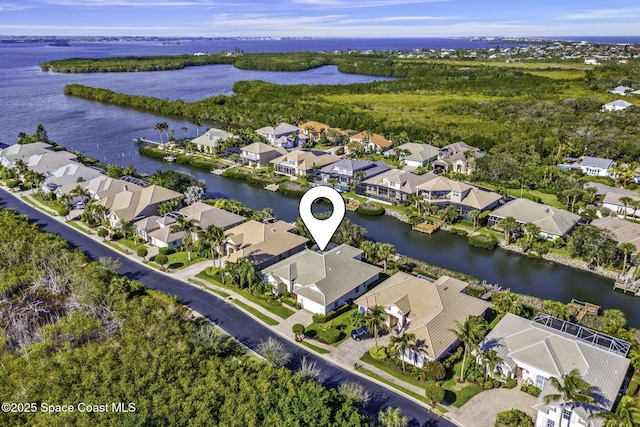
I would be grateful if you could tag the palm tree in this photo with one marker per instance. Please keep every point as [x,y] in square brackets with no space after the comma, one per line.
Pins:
[626,201]
[508,225]
[490,359]
[627,414]
[614,321]
[415,199]
[404,343]
[572,390]
[392,417]
[80,192]
[375,319]
[626,248]
[197,123]
[20,166]
[475,217]
[214,236]
[531,230]
[384,251]
[189,227]
[470,333]
[449,214]
[159,127]
[247,274]
[184,129]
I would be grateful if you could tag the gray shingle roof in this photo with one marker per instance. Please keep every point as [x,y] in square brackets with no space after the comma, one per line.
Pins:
[596,162]
[550,220]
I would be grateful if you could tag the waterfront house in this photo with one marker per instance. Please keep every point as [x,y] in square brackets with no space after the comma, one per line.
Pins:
[313,130]
[272,133]
[68,175]
[103,186]
[553,222]
[209,141]
[457,157]
[425,308]
[415,155]
[595,166]
[536,350]
[264,244]
[621,90]
[617,105]
[369,142]
[351,172]
[302,162]
[322,281]
[134,204]
[393,186]
[612,201]
[9,155]
[259,154]
[621,230]
[205,215]
[442,191]
[51,160]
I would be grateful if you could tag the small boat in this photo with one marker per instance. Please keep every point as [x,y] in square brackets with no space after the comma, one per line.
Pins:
[169,159]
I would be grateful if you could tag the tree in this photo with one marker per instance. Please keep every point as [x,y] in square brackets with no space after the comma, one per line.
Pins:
[274,352]
[384,251]
[375,319]
[626,414]
[507,302]
[184,129]
[159,127]
[490,359]
[354,392]
[298,330]
[197,123]
[531,231]
[475,214]
[449,214]
[614,321]
[434,393]
[626,201]
[470,333]
[103,232]
[189,227]
[168,206]
[215,237]
[194,194]
[404,343]
[142,252]
[392,417]
[592,244]
[509,225]
[626,248]
[572,390]
[161,259]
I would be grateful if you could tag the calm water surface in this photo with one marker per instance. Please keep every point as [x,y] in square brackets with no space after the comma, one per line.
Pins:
[28,97]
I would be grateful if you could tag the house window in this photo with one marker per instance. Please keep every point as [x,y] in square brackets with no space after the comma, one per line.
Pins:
[541,381]
[551,423]
[567,413]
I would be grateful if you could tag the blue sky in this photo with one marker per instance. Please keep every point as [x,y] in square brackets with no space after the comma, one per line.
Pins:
[321,18]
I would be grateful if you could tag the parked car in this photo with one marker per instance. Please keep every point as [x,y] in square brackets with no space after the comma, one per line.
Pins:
[360,333]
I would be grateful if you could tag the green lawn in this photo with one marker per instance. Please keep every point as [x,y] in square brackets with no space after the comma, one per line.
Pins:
[179,260]
[278,310]
[315,348]
[51,204]
[118,248]
[79,227]
[340,322]
[266,319]
[456,393]
[130,244]
[391,384]
[547,199]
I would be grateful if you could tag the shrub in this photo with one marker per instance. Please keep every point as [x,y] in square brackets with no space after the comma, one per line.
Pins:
[323,318]
[378,352]
[496,383]
[370,209]
[142,252]
[488,385]
[354,392]
[298,330]
[531,389]
[434,393]
[459,231]
[511,383]
[330,335]
[165,251]
[103,232]
[161,259]
[319,318]
[633,388]
[513,418]
[484,242]
[434,371]
[13,183]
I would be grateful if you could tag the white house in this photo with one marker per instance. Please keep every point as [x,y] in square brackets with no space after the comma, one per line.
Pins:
[536,350]
[208,141]
[595,166]
[617,105]
[272,133]
[612,201]
[322,281]
[621,90]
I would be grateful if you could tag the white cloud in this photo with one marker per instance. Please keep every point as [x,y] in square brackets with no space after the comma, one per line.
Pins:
[348,4]
[604,14]
[10,7]
[130,3]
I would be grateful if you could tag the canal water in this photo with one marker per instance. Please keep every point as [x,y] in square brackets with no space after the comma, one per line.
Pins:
[30,96]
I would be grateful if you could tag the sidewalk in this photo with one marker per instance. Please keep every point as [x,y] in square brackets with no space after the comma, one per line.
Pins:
[346,355]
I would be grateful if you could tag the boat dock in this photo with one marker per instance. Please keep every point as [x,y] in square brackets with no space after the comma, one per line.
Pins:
[147,141]
[271,187]
[625,283]
[352,205]
[583,308]
[426,227]
[220,171]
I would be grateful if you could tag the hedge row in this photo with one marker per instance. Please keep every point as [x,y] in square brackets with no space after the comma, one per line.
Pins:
[370,209]
[484,242]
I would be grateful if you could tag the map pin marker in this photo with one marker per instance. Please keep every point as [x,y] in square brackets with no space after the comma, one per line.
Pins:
[322,229]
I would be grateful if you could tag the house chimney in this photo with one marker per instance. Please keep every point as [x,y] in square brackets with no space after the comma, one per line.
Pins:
[293,271]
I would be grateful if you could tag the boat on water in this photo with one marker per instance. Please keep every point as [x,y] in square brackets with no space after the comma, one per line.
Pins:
[60,43]
[169,159]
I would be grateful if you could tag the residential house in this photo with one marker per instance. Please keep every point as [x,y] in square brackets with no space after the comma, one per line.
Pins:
[9,155]
[425,308]
[418,154]
[536,350]
[322,281]
[51,160]
[68,175]
[300,163]
[595,166]
[134,204]
[369,142]
[102,186]
[393,186]
[272,133]
[205,215]
[313,130]
[264,244]
[351,172]
[621,90]
[612,201]
[209,141]
[458,157]
[553,222]
[617,105]
[621,230]
[443,191]
[157,231]
[259,154]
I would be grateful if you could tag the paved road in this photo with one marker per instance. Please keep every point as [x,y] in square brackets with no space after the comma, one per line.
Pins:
[235,322]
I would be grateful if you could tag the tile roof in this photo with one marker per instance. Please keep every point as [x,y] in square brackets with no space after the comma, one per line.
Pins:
[51,160]
[211,137]
[279,129]
[408,181]
[207,215]
[550,220]
[305,160]
[24,151]
[258,148]
[622,230]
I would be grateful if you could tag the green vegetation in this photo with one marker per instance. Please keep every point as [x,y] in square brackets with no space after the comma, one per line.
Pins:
[110,338]
[315,348]
[256,313]
[513,418]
